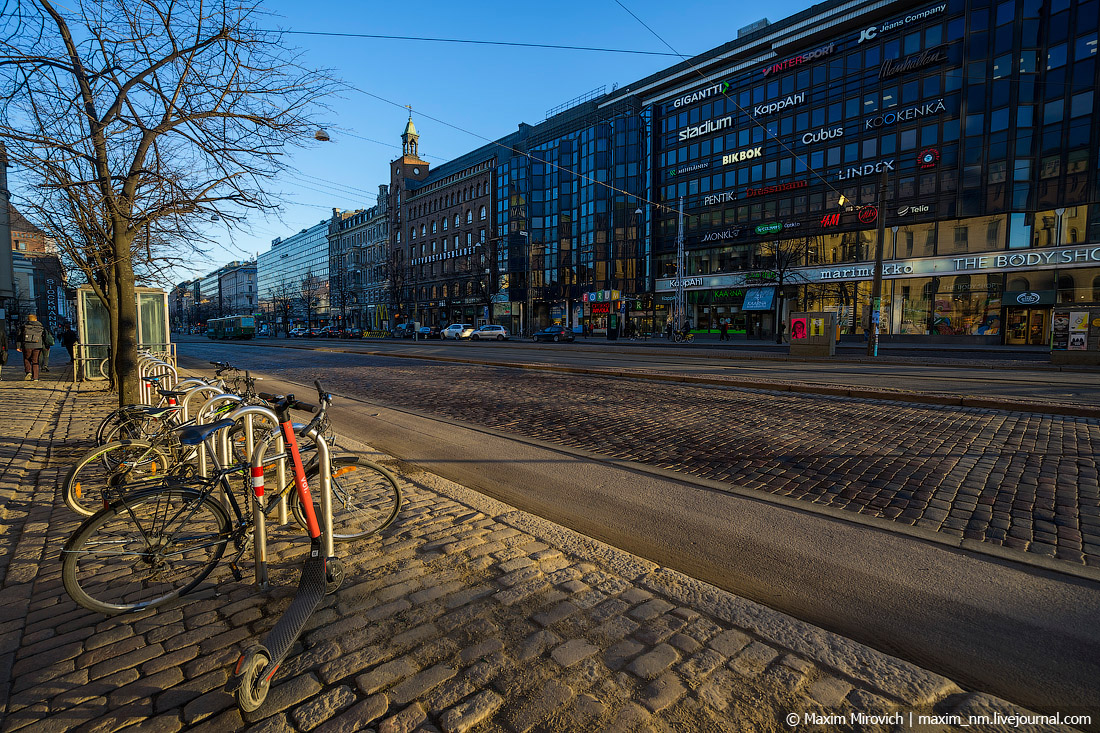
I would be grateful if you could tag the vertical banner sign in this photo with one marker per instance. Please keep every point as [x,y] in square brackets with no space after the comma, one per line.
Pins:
[1059,331]
[817,326]
[798,329]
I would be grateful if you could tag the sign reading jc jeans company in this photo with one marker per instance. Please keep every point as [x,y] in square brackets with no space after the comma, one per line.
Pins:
[869,34]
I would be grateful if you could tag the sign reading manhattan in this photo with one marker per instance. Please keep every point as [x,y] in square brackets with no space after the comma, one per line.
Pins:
[924,59]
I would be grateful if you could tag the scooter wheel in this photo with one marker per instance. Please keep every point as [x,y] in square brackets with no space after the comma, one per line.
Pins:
[254,685]
[334,575]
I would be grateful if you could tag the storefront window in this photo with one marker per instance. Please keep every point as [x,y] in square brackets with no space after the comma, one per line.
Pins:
[980,234]
[913,240]
[1079,286]
[1048,231]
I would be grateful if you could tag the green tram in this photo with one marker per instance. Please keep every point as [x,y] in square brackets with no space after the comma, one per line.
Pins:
[231,327]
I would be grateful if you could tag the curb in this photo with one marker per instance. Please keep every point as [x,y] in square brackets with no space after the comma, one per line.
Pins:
[995,552]
[948,400]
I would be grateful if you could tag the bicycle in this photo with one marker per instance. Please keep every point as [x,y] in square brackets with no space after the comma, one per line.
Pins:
[682,337]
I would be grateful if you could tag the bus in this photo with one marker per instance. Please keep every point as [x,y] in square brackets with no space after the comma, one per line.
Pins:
[231,327]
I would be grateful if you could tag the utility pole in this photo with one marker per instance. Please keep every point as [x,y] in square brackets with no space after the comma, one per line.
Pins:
[876,284]
[679,307]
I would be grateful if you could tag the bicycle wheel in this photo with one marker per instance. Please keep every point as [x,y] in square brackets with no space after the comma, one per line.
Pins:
[144,551]
[111,465]
[365,498]
[121,416]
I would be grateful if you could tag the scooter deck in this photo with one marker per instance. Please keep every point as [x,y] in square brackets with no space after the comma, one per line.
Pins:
[311,590]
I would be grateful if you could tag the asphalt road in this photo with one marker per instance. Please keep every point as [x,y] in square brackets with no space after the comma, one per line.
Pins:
[1025,634]
[968,373]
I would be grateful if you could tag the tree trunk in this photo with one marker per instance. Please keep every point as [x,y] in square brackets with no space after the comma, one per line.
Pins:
[111,286]
[126,364]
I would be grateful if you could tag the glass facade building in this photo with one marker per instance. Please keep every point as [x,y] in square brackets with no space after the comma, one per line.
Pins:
[965,129]
[977,119]
[296,268]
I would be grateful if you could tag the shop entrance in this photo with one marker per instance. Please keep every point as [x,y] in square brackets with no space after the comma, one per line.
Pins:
[1026,326]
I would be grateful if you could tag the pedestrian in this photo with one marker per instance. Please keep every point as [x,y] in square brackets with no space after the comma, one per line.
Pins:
[30,343]
[68,340]
[724,331]
[47,344]
[779,337]
[865,322]
[668,329]
[3,346]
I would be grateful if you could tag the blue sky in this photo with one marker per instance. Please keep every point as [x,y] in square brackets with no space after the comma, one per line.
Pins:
[485,90]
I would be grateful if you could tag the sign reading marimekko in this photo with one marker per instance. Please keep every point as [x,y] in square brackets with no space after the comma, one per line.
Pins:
[1035,259]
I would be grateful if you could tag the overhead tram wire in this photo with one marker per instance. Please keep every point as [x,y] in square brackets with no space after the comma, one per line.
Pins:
[477,42]
[744,111]
[589,179]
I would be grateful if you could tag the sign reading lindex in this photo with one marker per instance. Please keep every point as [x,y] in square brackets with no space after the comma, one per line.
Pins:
[1004,261]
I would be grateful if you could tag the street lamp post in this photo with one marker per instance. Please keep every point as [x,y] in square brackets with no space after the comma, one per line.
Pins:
[876,283]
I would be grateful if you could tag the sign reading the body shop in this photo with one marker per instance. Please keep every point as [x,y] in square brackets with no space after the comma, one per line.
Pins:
[868,34]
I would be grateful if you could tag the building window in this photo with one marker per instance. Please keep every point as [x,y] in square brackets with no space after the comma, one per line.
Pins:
[458,221]
[469,216]
[482,214]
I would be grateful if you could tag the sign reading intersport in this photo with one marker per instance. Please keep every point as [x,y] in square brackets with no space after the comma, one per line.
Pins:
[706,128]
[799,59]
[912,113]
[719,88]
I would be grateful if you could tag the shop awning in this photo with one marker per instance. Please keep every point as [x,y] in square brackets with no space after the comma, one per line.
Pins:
[759,299]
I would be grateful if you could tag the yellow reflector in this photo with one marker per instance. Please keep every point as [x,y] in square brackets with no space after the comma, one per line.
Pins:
[77,491]
[153,472]
[342,471]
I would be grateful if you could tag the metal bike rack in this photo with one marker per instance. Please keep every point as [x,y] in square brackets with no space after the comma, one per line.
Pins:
[252,675]
[185,415]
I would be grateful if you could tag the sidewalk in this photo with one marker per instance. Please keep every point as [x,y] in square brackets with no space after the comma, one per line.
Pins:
[466,614]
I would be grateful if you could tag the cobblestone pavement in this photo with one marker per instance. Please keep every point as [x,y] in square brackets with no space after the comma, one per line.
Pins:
[1020,480]
[465,615]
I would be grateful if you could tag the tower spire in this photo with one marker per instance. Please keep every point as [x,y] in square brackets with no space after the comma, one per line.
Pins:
[410,138]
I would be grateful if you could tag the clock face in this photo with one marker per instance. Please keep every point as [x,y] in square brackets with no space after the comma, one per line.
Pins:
[416,171]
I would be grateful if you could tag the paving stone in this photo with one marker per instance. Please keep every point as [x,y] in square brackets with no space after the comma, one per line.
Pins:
[829,691]
[662,692]
[753,659]
[322,707]
[652,663]
[572,652]
[358,715]
[421,683]
[729,643]
[405,721]
[385,675]
[471,712]
[525,715]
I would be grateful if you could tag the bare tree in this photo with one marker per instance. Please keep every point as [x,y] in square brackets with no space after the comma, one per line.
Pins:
[136,123]
[282,297]
[483,270]
[309,294]
[782,257]
[395,273]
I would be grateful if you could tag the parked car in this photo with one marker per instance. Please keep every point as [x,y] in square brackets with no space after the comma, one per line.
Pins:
[403,331]
[329,332]
[554,333]
[458,331]
[299,332]
[490,332]
[429,332]
[351,333]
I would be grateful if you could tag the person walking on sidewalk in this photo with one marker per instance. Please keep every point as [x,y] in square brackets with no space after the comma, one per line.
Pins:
[3,347]
[47,344]
[724,330]
[68,340]
[30,343]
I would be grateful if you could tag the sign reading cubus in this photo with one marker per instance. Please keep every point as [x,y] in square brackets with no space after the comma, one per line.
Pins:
[801,58]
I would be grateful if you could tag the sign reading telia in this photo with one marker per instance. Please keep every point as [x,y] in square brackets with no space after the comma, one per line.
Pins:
[801,58]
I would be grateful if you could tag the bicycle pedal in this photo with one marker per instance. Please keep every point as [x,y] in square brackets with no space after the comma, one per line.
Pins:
[237,574]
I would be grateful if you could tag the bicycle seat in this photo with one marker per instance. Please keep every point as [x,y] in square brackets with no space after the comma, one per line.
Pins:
[195,434]
[159,412]
[151,380]
[171,393]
